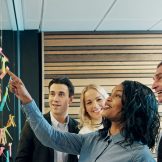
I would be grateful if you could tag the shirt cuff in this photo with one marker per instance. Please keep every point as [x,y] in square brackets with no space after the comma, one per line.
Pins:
[30,108]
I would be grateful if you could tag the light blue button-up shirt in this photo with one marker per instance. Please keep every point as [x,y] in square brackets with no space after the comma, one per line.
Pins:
[90,147]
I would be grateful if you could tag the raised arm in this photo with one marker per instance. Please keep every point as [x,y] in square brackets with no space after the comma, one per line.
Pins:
[18,88]
[47,135]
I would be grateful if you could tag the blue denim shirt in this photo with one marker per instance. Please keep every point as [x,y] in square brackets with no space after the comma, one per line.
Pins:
[90,147]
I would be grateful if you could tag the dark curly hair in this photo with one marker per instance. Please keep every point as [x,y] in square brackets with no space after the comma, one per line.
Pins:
[139,115]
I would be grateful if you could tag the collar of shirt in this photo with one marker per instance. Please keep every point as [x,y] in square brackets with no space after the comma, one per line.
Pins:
[57,124]
[115,138]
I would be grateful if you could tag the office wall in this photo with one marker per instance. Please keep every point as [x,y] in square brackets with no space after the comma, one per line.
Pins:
[102,58]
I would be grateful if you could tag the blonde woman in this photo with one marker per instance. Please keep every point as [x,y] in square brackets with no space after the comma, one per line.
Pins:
[92,100]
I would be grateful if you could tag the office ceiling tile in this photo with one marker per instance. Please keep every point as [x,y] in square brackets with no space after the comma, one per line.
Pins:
[133,15]
[81,15]
[32,13]
[73,15]
[5,22]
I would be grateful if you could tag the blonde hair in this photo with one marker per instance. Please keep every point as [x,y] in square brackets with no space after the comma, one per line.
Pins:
[84,116]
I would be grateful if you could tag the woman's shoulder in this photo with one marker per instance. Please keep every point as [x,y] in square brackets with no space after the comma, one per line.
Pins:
[143,153]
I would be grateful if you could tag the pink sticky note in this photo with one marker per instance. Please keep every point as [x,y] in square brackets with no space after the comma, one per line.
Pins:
[1,150]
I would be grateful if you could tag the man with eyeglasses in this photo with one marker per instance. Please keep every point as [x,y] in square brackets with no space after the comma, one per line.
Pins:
[157,86]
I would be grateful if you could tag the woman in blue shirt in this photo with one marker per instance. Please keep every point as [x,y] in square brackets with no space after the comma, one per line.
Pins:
[130,119]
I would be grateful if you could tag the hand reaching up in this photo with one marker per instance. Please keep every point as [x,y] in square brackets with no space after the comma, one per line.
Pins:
[17,87]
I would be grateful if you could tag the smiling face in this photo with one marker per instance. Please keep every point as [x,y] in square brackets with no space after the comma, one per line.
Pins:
[157,84]
[59,99]
[113,105]
[94,102]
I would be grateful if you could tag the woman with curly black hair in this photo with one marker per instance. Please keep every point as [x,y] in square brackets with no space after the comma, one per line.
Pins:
[131,125]
[132,111]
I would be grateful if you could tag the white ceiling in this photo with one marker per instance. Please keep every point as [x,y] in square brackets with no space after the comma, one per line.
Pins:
[81,15]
